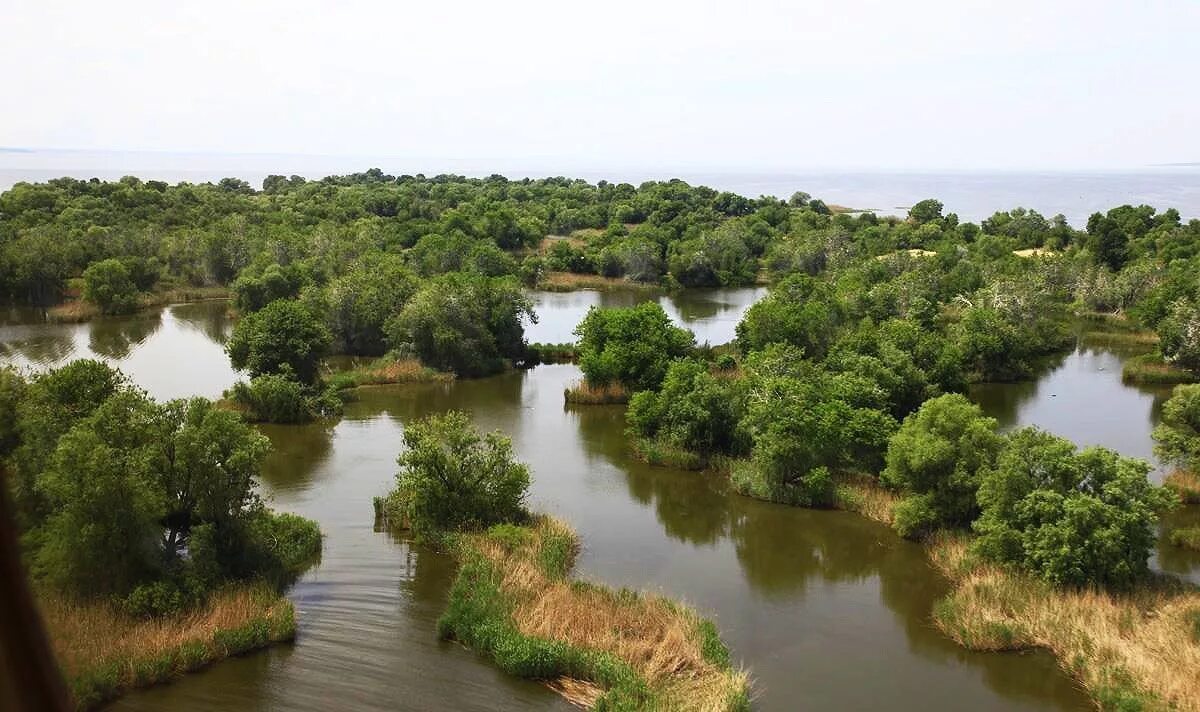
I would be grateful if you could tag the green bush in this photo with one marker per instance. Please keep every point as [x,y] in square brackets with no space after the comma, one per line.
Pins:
[936,457]
[1072,518]
[1177,437]
[107,284]
[285,337]
[275,398]
[631,346]
[452,478]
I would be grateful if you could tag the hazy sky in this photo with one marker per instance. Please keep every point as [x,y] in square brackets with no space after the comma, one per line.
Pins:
[748,84]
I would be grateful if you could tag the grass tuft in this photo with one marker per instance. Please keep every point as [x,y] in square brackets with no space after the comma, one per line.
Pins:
[583,393]
[1185,484]
[1188,537]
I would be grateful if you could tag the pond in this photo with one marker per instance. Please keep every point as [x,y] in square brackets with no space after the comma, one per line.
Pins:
[826,609]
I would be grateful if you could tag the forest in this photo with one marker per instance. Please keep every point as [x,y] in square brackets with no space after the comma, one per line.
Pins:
[845,388]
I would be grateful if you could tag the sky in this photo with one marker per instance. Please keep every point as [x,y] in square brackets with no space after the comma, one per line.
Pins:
[752,84]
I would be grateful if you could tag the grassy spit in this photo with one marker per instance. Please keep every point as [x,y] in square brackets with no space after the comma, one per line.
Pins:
[1134,651]
[1188,537]
[571,281]
[77,311]
[387,371]
[103,651]
[1151,369]
[583,393]
[602,649]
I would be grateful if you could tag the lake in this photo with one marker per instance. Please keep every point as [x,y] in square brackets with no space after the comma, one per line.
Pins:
[826,609]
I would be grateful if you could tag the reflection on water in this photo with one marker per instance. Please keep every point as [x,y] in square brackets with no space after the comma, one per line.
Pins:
[710,314]
[172,353]
[828,610]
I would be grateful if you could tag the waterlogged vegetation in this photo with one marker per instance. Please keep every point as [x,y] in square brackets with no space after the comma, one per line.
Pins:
[844,387]
[513,600]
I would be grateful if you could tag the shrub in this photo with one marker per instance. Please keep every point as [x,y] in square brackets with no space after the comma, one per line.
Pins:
[936,457]
[284,337]
[1177,438]
[451,478]
[274,398]
[631,346]
[107,284]
[1072,518]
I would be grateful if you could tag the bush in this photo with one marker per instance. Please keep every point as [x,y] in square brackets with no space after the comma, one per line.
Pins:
[284,337]
[694,410]
[107,284]
[632,346]
[1072,518]
[451,478]
[936,457]
[1177,437]
[274,398]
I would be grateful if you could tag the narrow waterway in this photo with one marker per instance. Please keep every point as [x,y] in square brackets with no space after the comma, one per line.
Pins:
[826,609]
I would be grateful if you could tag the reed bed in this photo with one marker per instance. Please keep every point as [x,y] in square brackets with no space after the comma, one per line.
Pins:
[1131,651]
[584,393]
[598,647]
[1150,369]
[1185,484]
[103,651]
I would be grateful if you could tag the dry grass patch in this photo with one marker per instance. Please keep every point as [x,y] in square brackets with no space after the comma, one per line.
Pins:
[1131,651]
[514,600]
[570,281]
[76,311]
[1151,369]
[1185,484]
[584,393]
[863,494]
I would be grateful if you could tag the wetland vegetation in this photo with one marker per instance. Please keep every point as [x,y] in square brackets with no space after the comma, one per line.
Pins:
[845,386]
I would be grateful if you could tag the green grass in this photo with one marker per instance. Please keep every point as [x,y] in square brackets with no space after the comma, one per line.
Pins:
[1187,537]
[1150,369]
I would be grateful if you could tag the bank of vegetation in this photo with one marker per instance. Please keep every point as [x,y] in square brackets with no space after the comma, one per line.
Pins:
[514,599]
[141,529]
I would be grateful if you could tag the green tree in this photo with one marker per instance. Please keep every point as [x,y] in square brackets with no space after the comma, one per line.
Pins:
[925,211]
[935,459]
[1177,437]
[632,346]
[800,310]
[452,478]
[284,337]
[695,409]
[107,284]
[360,302]
[1072,518]
[462,322]
[1179,335]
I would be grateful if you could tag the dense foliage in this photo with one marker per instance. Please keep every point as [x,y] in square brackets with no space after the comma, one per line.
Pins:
[632,347]
[150,503]
[1177,437]
[284,337]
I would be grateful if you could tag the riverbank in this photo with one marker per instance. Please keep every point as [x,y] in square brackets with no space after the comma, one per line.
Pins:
[572,281]
[1150,369]
[514,601]
[104,652]
[1132,651]
[78,311]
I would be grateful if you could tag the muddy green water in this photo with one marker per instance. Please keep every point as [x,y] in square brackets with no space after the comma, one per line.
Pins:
[827,610]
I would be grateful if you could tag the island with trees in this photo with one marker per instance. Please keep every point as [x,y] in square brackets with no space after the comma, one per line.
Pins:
[845,387]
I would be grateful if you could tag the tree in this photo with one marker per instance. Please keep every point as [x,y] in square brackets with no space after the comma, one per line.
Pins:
[451,478]
[284,337]
[1107,241]
[935,460]
[1071,518]
[361,301]
[464,323]
[107,284]
[1179,335]
[800,310]
[1177,437]
[805,425]
[256,287]
[925,211]
[632,346]
[695,410]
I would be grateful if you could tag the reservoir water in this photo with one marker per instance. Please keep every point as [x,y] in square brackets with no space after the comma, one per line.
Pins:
[826,609]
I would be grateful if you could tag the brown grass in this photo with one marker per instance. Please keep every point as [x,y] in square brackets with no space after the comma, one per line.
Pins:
[97,641]
[864,495]
[583,393]
[570,281]
[73,312]
[401,371]
[1185,484]
[659,639]
[1127,650]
